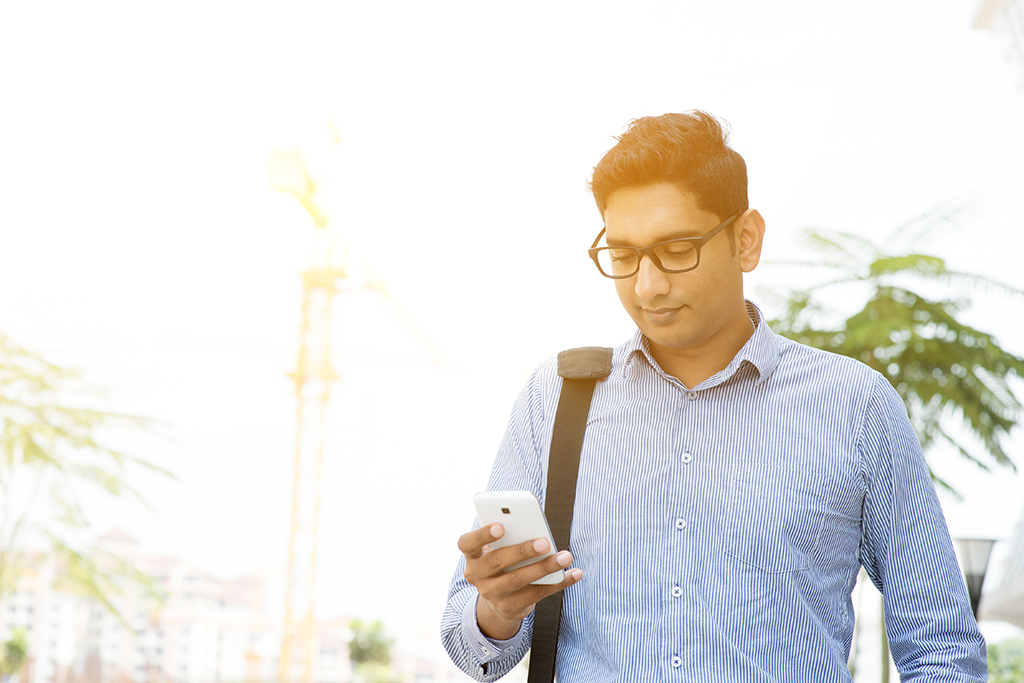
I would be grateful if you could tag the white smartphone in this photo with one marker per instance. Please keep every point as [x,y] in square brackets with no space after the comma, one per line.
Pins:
[519,512]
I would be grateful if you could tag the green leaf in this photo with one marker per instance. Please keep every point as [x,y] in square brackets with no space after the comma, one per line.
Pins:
[918,264]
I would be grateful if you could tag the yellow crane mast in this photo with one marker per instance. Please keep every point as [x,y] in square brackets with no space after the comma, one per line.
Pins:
[313,377]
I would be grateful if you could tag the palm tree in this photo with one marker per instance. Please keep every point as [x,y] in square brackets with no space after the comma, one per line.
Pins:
[943,368]
[52,445]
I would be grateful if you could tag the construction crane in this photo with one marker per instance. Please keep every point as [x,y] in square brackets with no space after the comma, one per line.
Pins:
[313,376]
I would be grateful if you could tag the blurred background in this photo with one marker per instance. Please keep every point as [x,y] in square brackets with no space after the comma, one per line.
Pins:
[143,244]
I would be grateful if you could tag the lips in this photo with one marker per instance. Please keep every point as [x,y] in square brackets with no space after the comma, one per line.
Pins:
[661,315]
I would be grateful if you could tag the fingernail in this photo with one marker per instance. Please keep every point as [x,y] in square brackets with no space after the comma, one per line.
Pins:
[564,558]
[540,545]
[576,574]
[496,530]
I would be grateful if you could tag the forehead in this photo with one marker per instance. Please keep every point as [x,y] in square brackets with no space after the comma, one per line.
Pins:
[653,213]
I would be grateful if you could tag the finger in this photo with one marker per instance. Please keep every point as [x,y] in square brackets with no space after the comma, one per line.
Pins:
[472,543]
[572,576]
[496,561]
[524,577]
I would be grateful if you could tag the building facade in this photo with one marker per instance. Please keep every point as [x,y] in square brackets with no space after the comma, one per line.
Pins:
[206,630]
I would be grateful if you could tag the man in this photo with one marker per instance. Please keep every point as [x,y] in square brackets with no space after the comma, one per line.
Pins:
[731,483]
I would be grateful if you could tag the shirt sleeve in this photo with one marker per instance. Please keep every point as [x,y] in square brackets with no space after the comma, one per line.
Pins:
[907,552]
[480,657]
[520,465]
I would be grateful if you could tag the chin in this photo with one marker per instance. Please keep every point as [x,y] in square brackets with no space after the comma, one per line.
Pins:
[666,339]
[673,343]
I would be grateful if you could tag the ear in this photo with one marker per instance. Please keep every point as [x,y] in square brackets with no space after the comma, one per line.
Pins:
[749,236]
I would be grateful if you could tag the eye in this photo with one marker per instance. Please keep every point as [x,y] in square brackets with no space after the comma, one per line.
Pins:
[677,248]
[622,255]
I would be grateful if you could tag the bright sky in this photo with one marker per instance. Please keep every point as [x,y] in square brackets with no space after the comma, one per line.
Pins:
[143,243]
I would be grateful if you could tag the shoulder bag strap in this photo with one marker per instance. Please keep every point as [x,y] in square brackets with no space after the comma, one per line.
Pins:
[580,370]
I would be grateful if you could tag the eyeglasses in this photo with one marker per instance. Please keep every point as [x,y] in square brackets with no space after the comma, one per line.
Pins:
[671,256]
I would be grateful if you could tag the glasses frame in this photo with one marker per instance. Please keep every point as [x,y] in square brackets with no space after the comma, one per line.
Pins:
[648,251]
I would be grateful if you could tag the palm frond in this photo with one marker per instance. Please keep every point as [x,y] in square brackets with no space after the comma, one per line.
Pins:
[946,486]
[839,250]
[976,281]
[51,427]
[924,228]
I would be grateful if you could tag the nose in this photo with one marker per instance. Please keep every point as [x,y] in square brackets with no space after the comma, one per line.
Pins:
[651,281]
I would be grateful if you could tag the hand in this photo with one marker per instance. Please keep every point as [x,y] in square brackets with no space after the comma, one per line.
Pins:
[506,599]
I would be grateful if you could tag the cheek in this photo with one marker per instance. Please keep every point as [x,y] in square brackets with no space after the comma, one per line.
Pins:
[624,288]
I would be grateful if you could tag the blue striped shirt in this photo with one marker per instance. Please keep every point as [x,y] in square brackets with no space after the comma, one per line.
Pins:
[720,529]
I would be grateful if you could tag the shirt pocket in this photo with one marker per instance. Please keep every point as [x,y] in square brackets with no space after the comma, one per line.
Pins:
[775,516]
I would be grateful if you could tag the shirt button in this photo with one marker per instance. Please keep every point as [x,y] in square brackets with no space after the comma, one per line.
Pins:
[677,662]
[680,523]
[676,591]
[687,458]
[692,395]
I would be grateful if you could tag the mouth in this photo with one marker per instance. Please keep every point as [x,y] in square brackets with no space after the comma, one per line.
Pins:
[661,315]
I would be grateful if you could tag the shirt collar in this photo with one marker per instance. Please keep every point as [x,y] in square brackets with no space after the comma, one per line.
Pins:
[761,351]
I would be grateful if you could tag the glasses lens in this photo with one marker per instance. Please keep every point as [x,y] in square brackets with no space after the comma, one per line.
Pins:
[677,255]
[617,262]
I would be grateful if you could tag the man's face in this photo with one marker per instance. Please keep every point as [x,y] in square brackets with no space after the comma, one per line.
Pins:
[683,313]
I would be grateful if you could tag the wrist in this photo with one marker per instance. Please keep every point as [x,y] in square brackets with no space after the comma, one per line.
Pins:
[492,624]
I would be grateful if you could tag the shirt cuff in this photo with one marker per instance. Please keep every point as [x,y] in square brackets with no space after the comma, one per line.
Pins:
[483,648]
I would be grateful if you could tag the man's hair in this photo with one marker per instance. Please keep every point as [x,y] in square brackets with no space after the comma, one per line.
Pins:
[689,150]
